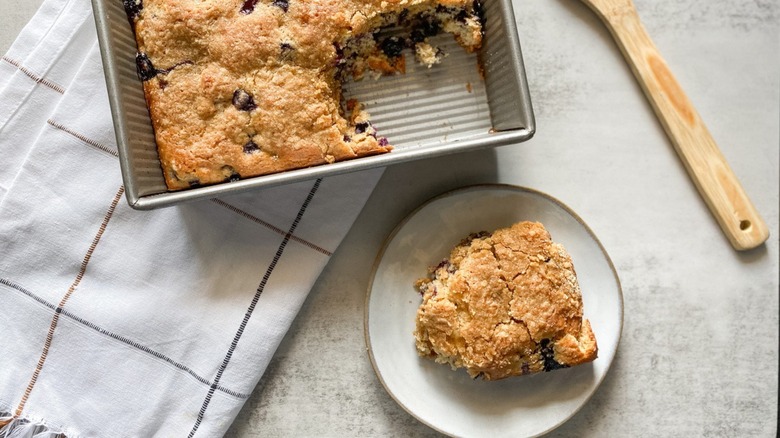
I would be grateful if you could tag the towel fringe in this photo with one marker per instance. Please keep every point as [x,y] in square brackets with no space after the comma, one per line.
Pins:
[11,427]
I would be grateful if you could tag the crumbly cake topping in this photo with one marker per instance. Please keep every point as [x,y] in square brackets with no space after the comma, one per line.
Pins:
[504,304]
[239,88]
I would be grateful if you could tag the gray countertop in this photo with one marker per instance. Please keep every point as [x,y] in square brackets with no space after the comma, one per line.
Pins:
[699,351]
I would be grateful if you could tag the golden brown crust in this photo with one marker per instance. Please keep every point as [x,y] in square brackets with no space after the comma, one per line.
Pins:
[240,88]
[503,305]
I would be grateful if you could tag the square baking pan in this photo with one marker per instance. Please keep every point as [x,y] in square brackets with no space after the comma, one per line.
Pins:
[467,102]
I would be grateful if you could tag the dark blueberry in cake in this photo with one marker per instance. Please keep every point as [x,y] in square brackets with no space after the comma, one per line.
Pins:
[426,27]
[444,264]
[133,8]
[482,234]
[417,36]
[251,147]
[361,127]
[284,4]
[248,6]
[479,11]
[243,101]
[392,46]
[383,141]
[461,16]
[287,51]
[231,173]
[145,67]
[430,26]
[147,70]
[548,356]
[347,139]
[339,60]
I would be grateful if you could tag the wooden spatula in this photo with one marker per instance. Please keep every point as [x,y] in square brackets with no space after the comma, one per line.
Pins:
[706,165]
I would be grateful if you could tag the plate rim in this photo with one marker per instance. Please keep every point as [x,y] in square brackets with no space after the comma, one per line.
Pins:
[453,192]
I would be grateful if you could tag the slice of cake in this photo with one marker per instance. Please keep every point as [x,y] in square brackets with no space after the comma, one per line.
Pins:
[504,304]
[239,88]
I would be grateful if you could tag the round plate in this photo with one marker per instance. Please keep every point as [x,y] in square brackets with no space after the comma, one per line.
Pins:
[449,401]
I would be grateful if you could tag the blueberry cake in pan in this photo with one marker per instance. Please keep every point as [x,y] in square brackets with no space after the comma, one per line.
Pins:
[240,88]
[504,304]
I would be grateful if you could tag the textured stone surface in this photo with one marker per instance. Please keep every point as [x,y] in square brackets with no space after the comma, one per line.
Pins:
[699,353]
[15,13]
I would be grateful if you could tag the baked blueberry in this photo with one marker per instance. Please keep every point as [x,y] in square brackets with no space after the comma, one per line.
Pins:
[392,46]
[417,36]
[287,51]
[248,6]
[144,66]
[133,8]
[339,59]
[548,356]
[147,70]
[479,11]
[243,101]
[429,26]
[361,127]
[444,264]
[284,4]
[251,147]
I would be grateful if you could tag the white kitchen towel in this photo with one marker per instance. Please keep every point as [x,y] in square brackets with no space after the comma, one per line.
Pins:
[116,322]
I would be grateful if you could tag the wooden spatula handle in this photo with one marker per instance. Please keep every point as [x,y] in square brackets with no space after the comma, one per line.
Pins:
[706,165]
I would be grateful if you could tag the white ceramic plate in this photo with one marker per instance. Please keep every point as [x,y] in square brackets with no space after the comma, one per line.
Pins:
[449,401]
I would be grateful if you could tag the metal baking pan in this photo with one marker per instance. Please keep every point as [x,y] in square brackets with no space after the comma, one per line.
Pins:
[424,113]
